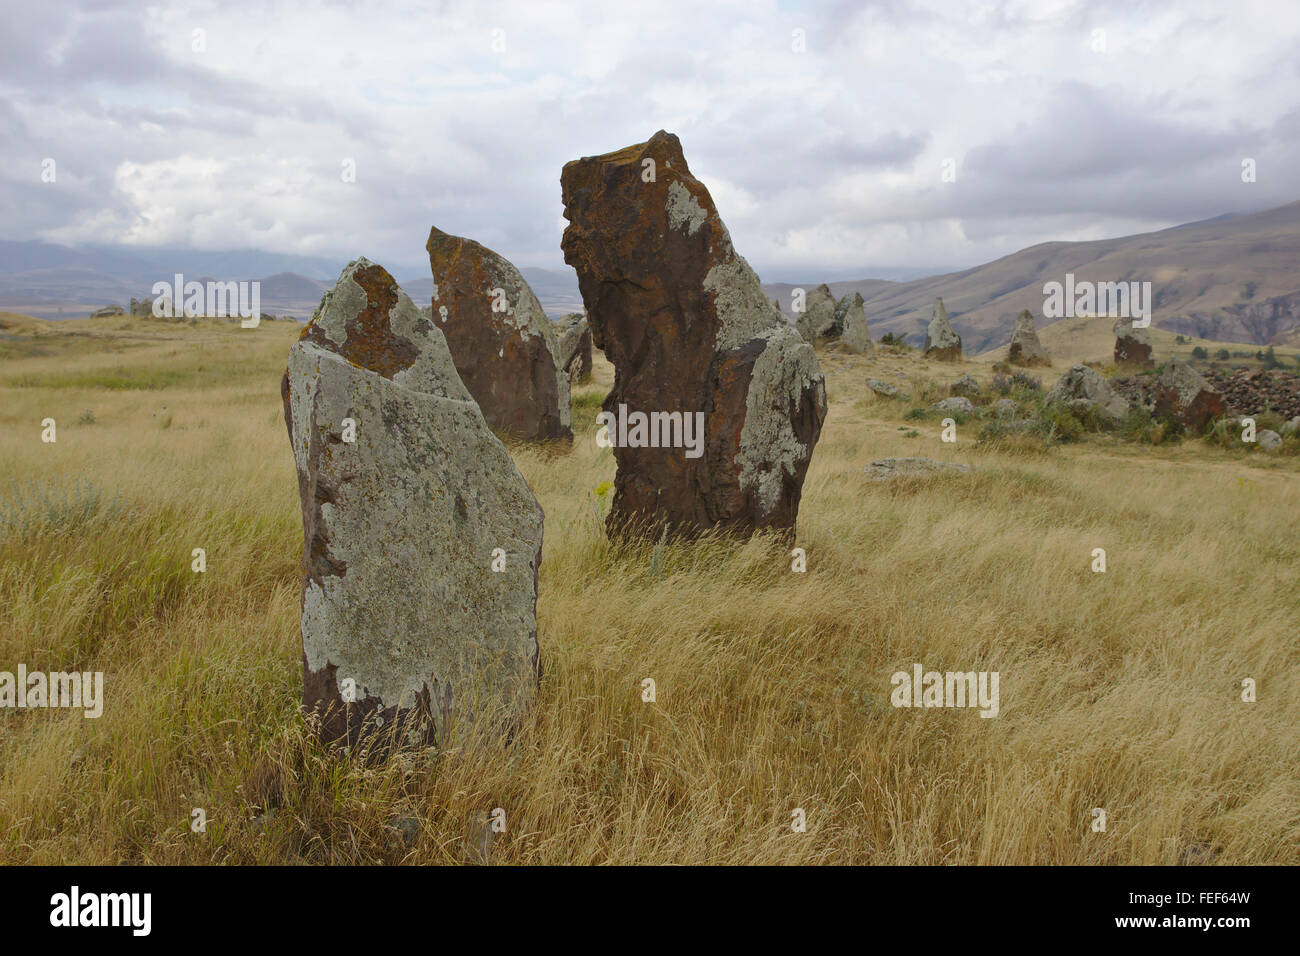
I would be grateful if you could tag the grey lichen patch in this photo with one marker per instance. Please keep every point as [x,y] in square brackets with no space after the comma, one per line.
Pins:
[683,209]
[769,449]
[743,310]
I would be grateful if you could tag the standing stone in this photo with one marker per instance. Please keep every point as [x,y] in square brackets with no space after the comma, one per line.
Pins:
[818,317]
[574,337]
[1182,393]
[853,327]
[500,338]
[1132,346]
[407,627]
[682,317]
[1025,348]
[942,344]
[1082,389]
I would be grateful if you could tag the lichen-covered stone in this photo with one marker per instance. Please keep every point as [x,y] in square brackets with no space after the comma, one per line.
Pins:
[853,327]
[1025,348]
[1184,394]
[406,494]
[1132,346]
[942,343]
[1082,389]
[683,319]
[500,338]
[573,335]
[818,317]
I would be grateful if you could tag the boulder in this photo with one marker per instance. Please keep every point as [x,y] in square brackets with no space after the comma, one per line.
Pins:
[574,337]
[500,338]
[1182,393]
[1082,388]
[966,386]
[1006,407]
[1291,427]
[854,334]
[1132,346]
[942,344]
[421,539]
[1025,348]
[1268,440]
[959,404]
[818,317]
[882,388]
[683,319]
[107,311]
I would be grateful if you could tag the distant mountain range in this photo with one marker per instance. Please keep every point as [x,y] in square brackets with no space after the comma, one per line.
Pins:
[1235,278]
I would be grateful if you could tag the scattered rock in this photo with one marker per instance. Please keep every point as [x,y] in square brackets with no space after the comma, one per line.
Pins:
[967,386]
[1183,393]
[574,337]
[1025,347]
[406,627]
[1082,388]
[959,404]
[882,388]
[1268,439]
[818,318]
[1251,393]
[1006,407]
[883,469]
[1292,427]
[1132,346]
[500,338]
[107,311]
[683,319]
[853,326]
[942,344]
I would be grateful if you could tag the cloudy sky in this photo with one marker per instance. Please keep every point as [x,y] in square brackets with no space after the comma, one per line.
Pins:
[821,129]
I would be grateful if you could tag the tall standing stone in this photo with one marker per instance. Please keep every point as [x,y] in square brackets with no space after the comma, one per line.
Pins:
[1025,348]
[818,317]
[573,335]
[1133,346]
[682,317]
[942,343]
[500,338]
[854,334]
[422,540]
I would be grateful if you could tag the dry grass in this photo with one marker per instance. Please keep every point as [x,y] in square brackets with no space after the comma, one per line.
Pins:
[1118,690]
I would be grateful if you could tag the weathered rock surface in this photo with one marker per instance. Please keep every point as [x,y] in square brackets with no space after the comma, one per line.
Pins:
[1006,407]
[1025,348]
[1082,388]
[966,386]
[818,318]
[958,404]
[142,308]
[883,469]
[882,388]
[500,338]
[1185,395]
[574,338]
[1132,346]
[406,627]
[942,343]
[1269,439]
[682,317]
[107,311]
[853,327]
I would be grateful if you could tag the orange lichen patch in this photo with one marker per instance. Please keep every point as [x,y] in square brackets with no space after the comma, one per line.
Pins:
[370,341]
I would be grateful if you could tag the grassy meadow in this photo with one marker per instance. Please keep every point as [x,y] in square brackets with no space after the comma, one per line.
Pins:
[1119,690]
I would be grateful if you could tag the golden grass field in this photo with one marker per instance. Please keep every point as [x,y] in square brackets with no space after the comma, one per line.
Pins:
[1119,690]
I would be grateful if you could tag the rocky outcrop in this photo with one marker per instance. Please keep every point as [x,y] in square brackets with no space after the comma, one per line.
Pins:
[1082,389]
[574,337]
[958,404]
[852,324]
[1025,349]
[1132,346]
[421,539]
[500,338]
[942,344]
[818,317]
[690,333]
[1182,393]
